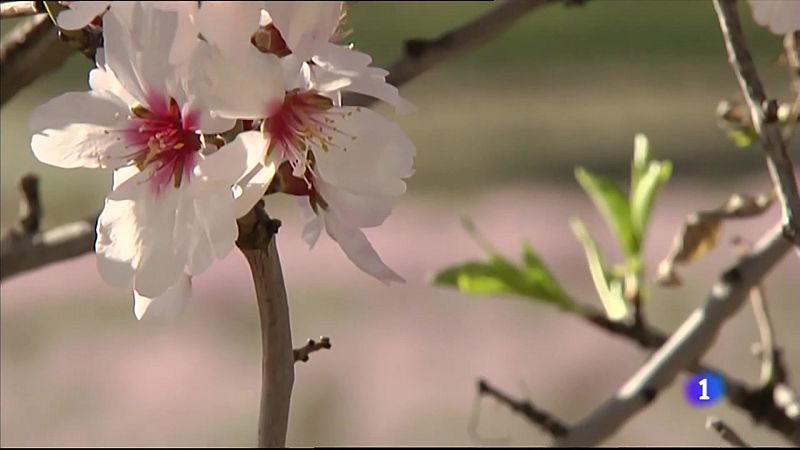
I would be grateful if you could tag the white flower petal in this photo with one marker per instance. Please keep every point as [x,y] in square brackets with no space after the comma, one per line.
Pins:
[135,39]
[305,25]
[103,80]
[781,16]
[250,189]
[240,86]
[79,145]
[169,304]
[96,108]
[338,63]
[379,155]
[80,14]
[229,25]
[356,246]
[313,226]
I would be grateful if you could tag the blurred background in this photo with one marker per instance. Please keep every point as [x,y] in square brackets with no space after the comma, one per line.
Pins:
[498,132]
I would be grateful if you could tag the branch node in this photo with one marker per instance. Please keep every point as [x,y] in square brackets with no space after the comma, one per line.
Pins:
[311,346]
[30,204]
[546,421]
[725,432]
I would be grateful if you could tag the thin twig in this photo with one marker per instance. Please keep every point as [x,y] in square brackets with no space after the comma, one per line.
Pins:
[424,54]
[301,354]
[538,417]
[764,114]
[684,347]
[257,243]
[725,432]
[11,10]
[28,52]
[30,205]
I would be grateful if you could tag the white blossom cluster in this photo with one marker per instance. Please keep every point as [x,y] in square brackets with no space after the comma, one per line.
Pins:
[200,109]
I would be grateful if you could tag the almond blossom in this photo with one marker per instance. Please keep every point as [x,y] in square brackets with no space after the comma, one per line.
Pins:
[347,163]
[171,211]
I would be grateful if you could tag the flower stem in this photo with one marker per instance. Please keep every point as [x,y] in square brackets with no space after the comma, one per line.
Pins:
[257,243]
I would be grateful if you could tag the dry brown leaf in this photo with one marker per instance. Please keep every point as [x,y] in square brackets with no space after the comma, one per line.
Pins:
[700,232]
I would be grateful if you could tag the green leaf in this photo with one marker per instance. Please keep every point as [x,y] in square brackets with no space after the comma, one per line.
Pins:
[743,137]
[608,288]
[499,276]
[541,276]
[641,159]
[613,205]
[644,194]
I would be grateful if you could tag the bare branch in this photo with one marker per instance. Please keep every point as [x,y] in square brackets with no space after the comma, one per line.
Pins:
[257,243]
[725,432]
[684,347]
[29,51]
[538,417]
[20,9]
[301,354]
[424,54]
[764,114]
[24,247]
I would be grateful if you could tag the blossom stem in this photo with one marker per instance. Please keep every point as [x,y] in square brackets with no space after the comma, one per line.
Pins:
[257,243]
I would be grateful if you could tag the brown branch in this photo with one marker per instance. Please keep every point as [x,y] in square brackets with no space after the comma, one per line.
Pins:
[764,115]
[257,243]
[538,417]
[11,10]
[30,207]
[301,354]
[759,402]
[685,346]
[24,247]
[725,432]
[424,54]
[26,53]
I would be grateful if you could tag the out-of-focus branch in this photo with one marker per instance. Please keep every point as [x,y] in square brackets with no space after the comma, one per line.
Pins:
[684,347]
[538,417]
[21,248]
[767,405]
[301,354]
[27,52]
[257,242]
[20,9]
[764,113]
[424,54]
[725,432]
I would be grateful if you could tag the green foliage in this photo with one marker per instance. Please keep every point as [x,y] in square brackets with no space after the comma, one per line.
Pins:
[500,276]
[612,203]
[608,285]
[647,178]
[626,215]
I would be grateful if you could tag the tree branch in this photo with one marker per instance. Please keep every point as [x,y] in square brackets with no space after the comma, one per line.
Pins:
[725,432]
[301,354]
[28,52]
[538,417]
[20,9]
[684,347]
[257,243]
[424,54]
[764,115]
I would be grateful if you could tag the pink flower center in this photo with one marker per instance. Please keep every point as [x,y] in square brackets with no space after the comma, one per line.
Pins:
[303,123]
[165,142]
